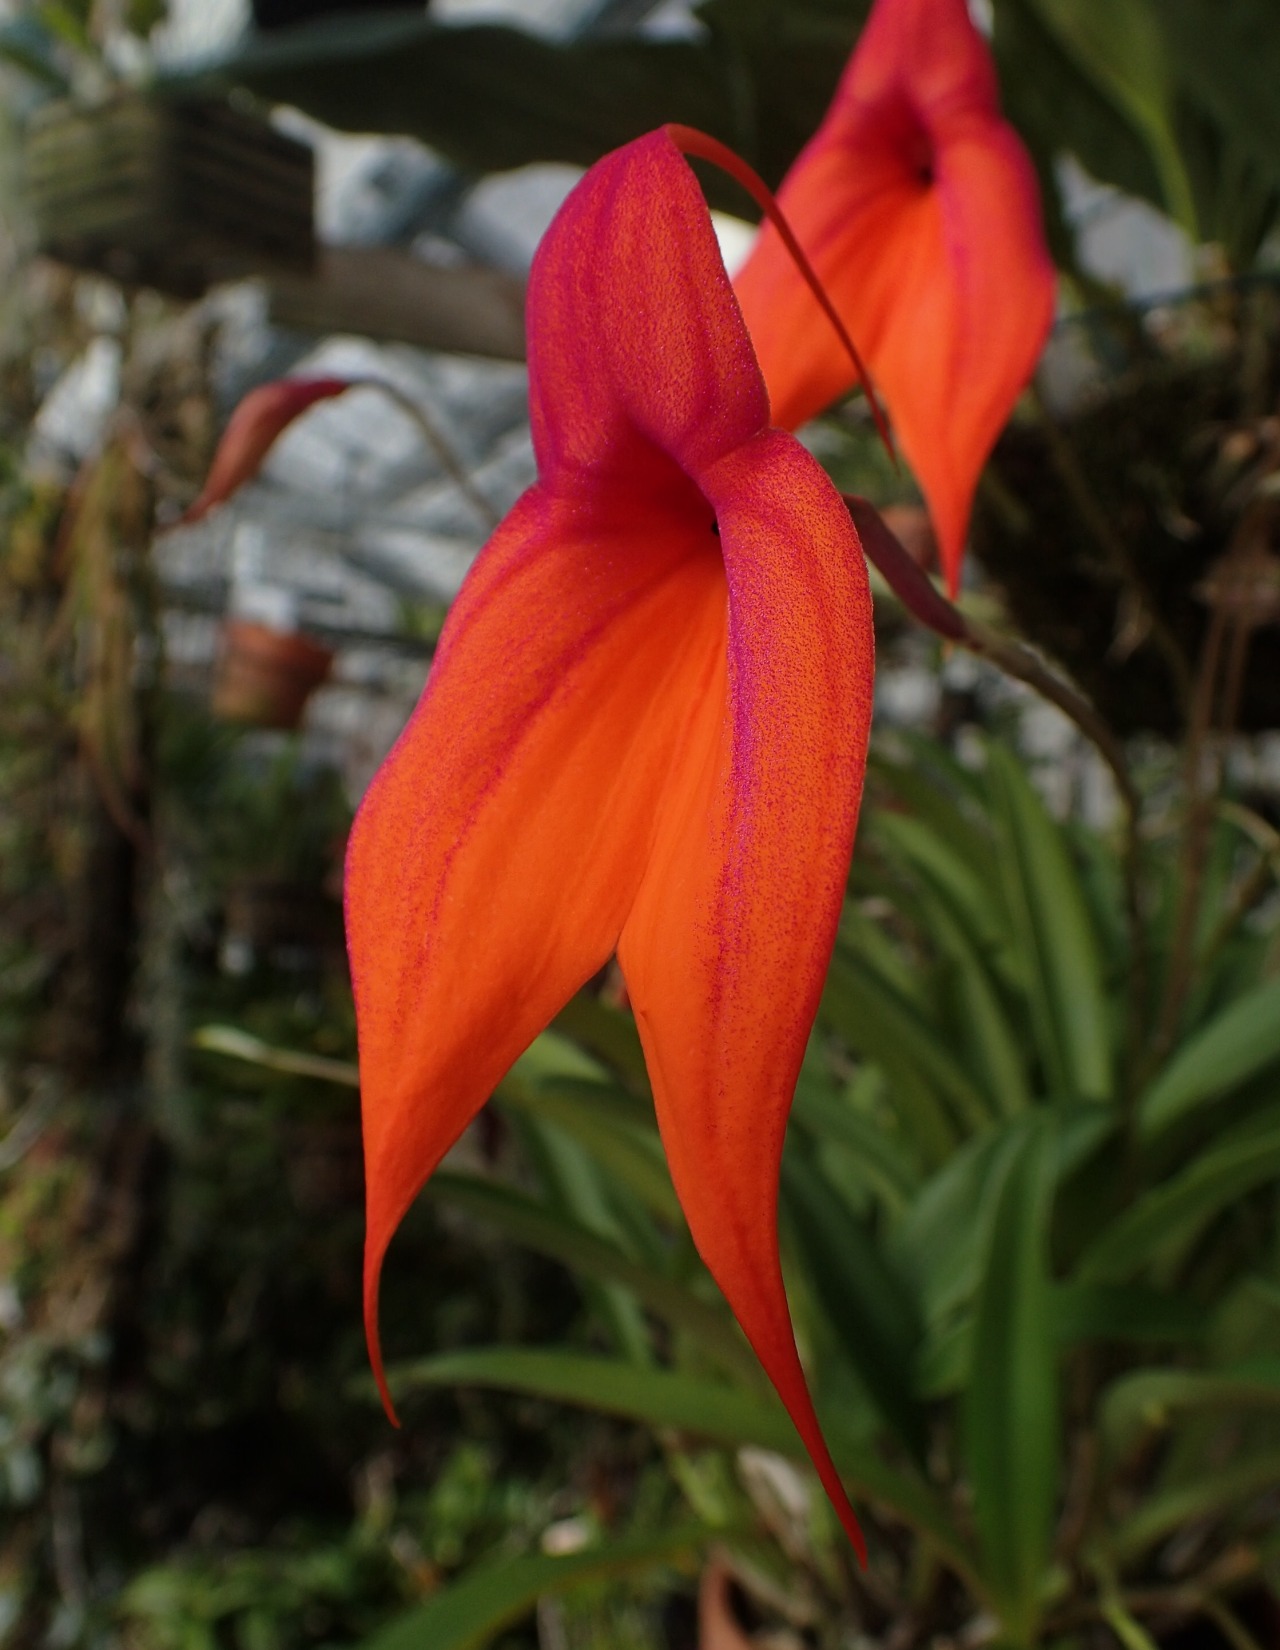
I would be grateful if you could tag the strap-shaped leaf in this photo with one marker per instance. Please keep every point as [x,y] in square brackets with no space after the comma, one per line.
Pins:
[985,1034]
[1127,1314]
[608,1125]
[1122,48]
[1011,1406]
[939,1102]
[608,1034]
[839,1126]
[468,1614]
[1056,107]
[1240,1042]
[1210,1495]
[1060,951]
[927,853]
[1175,1212]
[655,1397]
[867,1304]
[560,1237]
[685,1403]
[1154,1398]
[1225,56]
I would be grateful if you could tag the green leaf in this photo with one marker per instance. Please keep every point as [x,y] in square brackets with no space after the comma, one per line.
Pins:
[1080,1313]
[1238,1043]
[1152,1398]
[867,1305]
[841,1127]
[943,1234]
[1056,107]
[654,1397]
[1011,1405]
[1226,56]
[606,1033]
[469,1613]
[990,1045]
[926,1084]
[1058,945]
[568,1241]
[609,1125]
[577,1188]
[1124,1313]
[1121,47]
[664,1399]
[1211,1495]
[1173,1213]
[925,847]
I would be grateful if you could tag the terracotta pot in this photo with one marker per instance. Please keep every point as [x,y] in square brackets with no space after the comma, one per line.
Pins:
[264,676]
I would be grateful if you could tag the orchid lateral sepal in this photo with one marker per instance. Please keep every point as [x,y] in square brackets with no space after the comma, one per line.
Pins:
[702,146]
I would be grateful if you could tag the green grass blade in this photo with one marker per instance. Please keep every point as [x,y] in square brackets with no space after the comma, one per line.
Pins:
[925,1078]
[1122,49]
[575,1187]
[606,1033]
[616,1131]
[839,1125]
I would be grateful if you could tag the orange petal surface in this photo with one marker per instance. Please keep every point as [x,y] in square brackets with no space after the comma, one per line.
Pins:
[919,209]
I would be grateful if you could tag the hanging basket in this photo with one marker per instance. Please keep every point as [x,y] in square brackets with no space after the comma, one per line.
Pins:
[176,194]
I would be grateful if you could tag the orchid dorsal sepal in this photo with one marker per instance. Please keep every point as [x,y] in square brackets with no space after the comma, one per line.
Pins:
[903,574]
[702,146]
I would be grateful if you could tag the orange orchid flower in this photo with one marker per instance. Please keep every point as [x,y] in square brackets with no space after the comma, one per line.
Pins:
[918,206]
[644,732]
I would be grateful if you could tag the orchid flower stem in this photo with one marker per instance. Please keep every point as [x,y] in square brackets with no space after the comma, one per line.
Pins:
[925,603]
[700,146]
[439,444]
[1072,475]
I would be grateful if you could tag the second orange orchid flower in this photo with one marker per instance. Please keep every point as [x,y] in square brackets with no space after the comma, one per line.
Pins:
[918,206]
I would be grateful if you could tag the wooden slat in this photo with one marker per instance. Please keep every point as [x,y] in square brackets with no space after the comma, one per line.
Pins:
[385,293]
